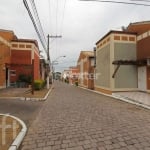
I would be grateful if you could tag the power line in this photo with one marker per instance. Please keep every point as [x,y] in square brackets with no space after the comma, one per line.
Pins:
[64,7]
[62,21]
[56,15]
[34,24]
[118,2]
[61,13]
[37,19]
[141,0]
[66,62]
[49,22]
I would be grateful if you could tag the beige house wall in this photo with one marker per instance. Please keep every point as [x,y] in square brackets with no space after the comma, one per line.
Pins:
[126,76]
[103,67]
[115,47]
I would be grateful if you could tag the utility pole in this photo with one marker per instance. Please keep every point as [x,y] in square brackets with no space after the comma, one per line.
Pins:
[48,48]
[51,36]
[48,57]
[48,67]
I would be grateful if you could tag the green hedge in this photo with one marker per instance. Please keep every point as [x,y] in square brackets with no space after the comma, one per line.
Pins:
[39,84]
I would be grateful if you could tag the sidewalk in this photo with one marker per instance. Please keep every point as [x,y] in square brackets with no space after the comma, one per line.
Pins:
[23,94]
[139,98]
[13,92]
[9,130]
[136,97]
[11,126]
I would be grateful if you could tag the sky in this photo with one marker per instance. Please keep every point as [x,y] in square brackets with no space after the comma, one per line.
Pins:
[81,24]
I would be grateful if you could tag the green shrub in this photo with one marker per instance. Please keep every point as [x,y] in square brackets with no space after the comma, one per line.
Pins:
[25,78]
[39,84]
[22,78]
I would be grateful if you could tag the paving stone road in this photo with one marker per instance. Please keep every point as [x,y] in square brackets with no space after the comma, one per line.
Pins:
[75,119]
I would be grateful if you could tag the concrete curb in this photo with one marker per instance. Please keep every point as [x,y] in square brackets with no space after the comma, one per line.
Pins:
[125,99]
[28,98]
[16,143]
[37,99]
[95,91]
[131,101]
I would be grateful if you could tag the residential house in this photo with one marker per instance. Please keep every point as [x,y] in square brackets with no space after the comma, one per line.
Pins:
[57,76]
[143,53]
[65,76]
[85,65]
[22,58]
[116,68]
[73,75]
[5,55]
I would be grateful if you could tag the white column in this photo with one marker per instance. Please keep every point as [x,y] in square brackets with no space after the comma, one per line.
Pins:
[47,80]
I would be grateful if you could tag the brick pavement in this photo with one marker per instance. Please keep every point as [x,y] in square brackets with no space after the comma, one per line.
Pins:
[76,119]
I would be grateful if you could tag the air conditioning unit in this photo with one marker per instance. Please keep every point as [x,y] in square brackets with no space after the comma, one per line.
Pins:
[148,61]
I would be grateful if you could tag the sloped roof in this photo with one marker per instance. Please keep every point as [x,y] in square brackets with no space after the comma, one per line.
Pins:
[86,54]
[7,34]
[3,30]
[139,27]
[140,23]
[72,67]
[114,31]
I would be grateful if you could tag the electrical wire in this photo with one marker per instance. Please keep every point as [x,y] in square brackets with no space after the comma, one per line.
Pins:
[37,19]
[118,2]
[56,15]
[49,16]
[63,16]
[34,24]
[61,11]
[141,0]
[56,42]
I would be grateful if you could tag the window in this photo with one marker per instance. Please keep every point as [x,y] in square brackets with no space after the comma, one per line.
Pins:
[21,46]
[28,46]
[12,72]
[14,45]
[148,61]
[92,62]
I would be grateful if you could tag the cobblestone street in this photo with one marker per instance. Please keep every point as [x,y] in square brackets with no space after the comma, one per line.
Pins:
[75,119]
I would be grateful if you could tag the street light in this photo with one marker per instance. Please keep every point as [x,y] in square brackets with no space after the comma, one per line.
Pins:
[55,62]
[58,58]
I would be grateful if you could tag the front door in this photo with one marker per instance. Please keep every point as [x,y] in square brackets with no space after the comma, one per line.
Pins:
[142,84]
[7,77]
[81,73]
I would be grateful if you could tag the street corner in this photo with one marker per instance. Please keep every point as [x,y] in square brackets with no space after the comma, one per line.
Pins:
[25,94]
[12,132]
